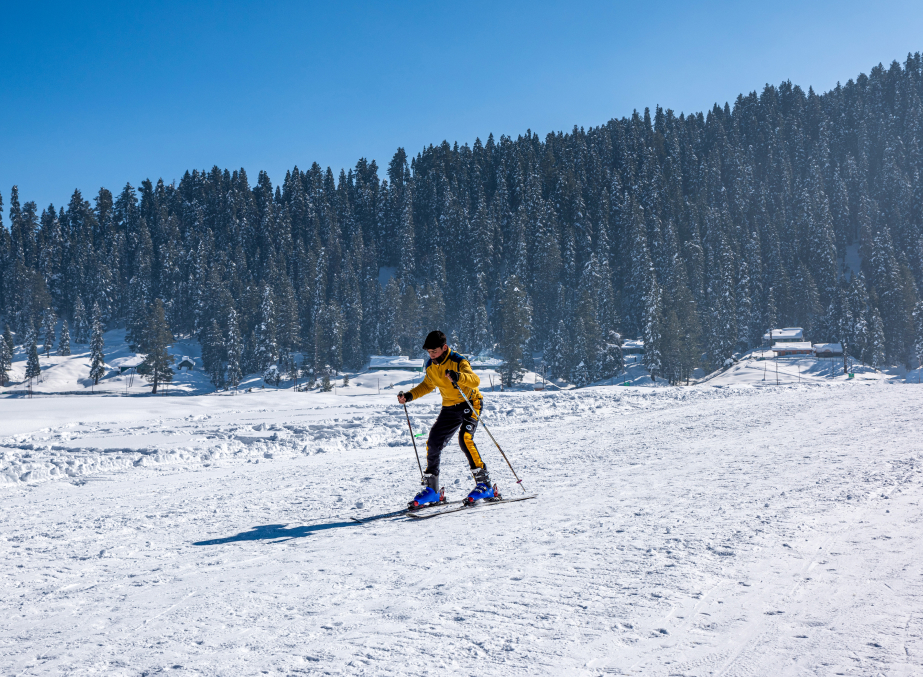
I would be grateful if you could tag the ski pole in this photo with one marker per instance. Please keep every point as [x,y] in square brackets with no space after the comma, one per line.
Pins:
[487,430]
[412,438]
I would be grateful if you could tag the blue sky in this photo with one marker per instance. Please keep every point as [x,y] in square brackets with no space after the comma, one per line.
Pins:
[99,95]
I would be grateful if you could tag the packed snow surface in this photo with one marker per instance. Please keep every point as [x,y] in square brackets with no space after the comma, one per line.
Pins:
[737,530]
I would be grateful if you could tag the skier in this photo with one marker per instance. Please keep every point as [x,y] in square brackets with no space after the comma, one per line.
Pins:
[449,371]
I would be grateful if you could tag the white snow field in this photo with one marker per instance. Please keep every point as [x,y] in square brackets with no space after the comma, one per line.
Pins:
[678,531]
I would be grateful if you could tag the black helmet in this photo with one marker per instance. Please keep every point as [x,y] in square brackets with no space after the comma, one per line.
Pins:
[435,339]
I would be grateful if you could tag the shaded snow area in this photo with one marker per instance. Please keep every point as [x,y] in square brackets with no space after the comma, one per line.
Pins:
[678,531]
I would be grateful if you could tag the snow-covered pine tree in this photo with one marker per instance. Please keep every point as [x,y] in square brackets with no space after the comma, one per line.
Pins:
[29,334]
[49,321]
[651,328]
[64,343]
[33,368]
[411,332]
[307,371]
[266,348]
[640,272]
[918,333]
[807,300]
[516,328]
[557,351]
[157,338]
[744,307]
[288,327]
[580,374]
[328,343]
[722,335]
[235,349]
[478,334]
[858,335]
[326,384]
[213,354]
[7,338]
[672,346]
[613,362]
[389,324]
[81,325]
[875,349]
[432,307]
[353,312]
[6,361]
[97,359]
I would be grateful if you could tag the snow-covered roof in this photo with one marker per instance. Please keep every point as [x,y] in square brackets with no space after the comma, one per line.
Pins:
[127,362]
[483,361]
[828,347]
[785,334]
[793,345]
[394,362]
[633,343]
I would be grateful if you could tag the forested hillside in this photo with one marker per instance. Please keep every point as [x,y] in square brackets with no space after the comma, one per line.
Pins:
[694,232]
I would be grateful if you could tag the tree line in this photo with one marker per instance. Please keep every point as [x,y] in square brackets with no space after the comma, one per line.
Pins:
[696,233]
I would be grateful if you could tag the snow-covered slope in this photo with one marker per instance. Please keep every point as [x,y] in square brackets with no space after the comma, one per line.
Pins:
[760,368]
[71,374]
[679,531]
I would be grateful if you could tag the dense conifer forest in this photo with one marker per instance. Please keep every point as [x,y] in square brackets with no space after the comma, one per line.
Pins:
[696,233]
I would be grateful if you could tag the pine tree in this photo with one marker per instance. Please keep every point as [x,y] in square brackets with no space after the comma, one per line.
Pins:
[33,368]
[652,330]
[6,361]
[64,343]
[213,355]
[157,338]
[235,350]
[8,339]
[307,371]
[389,322]
[29,334]
[918,333]
[49,321]
[875,350]
[266,347]
[744,307]
[326,385]
[613,361]
[97,359]
[328,342]
[81,326]
[580,374]
[516,329]
[558,350]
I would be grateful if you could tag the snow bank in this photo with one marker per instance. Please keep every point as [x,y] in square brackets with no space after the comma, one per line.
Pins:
[117,434]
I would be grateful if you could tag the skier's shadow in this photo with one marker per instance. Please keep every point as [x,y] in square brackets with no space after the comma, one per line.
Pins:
[274,532]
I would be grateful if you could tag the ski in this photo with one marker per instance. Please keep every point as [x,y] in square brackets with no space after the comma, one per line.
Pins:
[464,506]
[404,511]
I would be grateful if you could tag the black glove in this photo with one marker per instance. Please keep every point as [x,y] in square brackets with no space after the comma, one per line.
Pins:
[453,375]
[407,396]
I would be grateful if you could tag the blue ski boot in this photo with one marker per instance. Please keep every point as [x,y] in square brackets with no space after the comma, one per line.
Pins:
[483,489]
[430,493]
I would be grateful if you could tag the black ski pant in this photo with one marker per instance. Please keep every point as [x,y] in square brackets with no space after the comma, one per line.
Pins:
[457,417]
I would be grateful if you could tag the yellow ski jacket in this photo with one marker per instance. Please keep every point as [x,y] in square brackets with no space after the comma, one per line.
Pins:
[435,377]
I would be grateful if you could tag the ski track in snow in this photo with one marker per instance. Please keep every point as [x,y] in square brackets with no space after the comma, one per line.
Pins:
[678,531]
